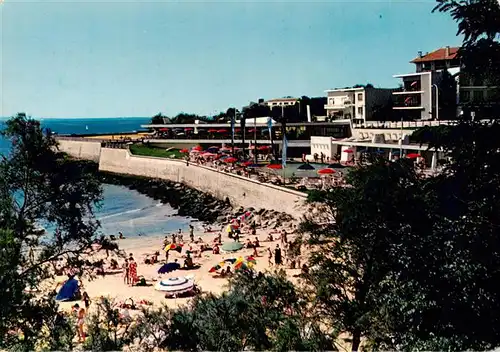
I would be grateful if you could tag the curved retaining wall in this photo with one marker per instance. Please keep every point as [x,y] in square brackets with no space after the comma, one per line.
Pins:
[240,190]
[80,148]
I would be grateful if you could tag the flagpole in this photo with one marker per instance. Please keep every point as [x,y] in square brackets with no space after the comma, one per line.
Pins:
[255,138]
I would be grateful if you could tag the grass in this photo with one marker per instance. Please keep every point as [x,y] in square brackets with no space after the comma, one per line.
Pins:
[138,149]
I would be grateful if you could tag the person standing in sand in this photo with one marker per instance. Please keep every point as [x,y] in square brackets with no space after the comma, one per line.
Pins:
[132,271]
[277,255]
[191,233]
[125,268]
[79,325]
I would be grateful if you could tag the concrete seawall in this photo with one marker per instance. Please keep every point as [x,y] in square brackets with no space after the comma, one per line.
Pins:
[80,148]
[241,191]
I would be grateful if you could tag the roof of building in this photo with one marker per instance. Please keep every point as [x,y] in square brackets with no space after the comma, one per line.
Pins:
[281,99]
[439,54]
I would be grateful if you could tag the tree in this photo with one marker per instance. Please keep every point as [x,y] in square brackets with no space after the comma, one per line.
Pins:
[479,22]
[39,186]
[366,223]
[258,312]
[158,119]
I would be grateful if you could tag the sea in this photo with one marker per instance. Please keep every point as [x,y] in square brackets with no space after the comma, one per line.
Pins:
[122,209]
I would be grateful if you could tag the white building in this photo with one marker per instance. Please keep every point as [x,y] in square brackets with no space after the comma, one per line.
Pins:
[356,104]
[272,103]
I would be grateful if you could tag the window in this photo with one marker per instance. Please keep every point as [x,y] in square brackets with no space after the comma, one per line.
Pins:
[360,111]
[478,95]
[464,96]
[360,96]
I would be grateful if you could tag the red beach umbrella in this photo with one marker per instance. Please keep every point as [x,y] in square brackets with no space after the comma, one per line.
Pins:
[188,129]
[264,147]
[163,129]
[221,131]
[275,166]
[348,151]
[212,130]
[413,156]
[208,154]
[246,163]
[230,160]
[184,151]
[326,171]
[198,148]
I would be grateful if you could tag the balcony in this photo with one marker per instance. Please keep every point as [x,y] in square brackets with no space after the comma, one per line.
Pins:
[408,102]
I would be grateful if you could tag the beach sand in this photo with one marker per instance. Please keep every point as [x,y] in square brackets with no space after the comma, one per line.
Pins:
[112,284]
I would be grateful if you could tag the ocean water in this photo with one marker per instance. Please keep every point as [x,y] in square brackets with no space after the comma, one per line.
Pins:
[122,209]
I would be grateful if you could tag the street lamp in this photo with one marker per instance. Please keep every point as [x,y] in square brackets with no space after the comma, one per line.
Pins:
[437,101]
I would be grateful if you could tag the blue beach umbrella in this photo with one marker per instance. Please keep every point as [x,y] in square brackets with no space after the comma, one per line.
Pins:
[168,267]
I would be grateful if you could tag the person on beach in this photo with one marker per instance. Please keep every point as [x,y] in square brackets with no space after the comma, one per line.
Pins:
[191,232]
[174,238]
[79,325]
[132,271]
[126,268]
[277,255]
[120,236]
[216,249]
[269,257]
[86,299]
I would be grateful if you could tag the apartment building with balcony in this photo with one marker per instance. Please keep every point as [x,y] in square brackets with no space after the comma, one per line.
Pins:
[358,104]
[419,93]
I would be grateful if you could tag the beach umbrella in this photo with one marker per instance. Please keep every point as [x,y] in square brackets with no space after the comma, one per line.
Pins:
[252,130]
[173,247]
[244,263]
[413,156]
[348,151]
[230,160]
[175,286]
[212,130]
[232,246]
[246,163]
[168,267]
[336,166]
[326,171]
[275,166]
[188,129]
[264,147]
[221,131]
[184,151]
[213,149]
[305,167]
[221,264]
[208,155]
[197,148]
[163,129]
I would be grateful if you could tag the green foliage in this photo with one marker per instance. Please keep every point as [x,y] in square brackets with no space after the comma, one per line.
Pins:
[39,185]
[263,312]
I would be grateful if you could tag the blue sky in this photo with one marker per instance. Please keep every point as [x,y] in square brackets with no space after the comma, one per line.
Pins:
[131,58]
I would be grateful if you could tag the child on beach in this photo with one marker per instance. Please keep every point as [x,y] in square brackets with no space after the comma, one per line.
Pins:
[79,323]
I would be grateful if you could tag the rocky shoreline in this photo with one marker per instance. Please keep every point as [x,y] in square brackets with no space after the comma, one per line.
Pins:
[191,202]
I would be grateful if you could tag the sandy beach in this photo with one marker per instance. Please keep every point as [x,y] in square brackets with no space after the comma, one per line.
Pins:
[112,284]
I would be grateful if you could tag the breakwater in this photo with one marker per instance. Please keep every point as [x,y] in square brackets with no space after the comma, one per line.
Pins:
[191,202]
